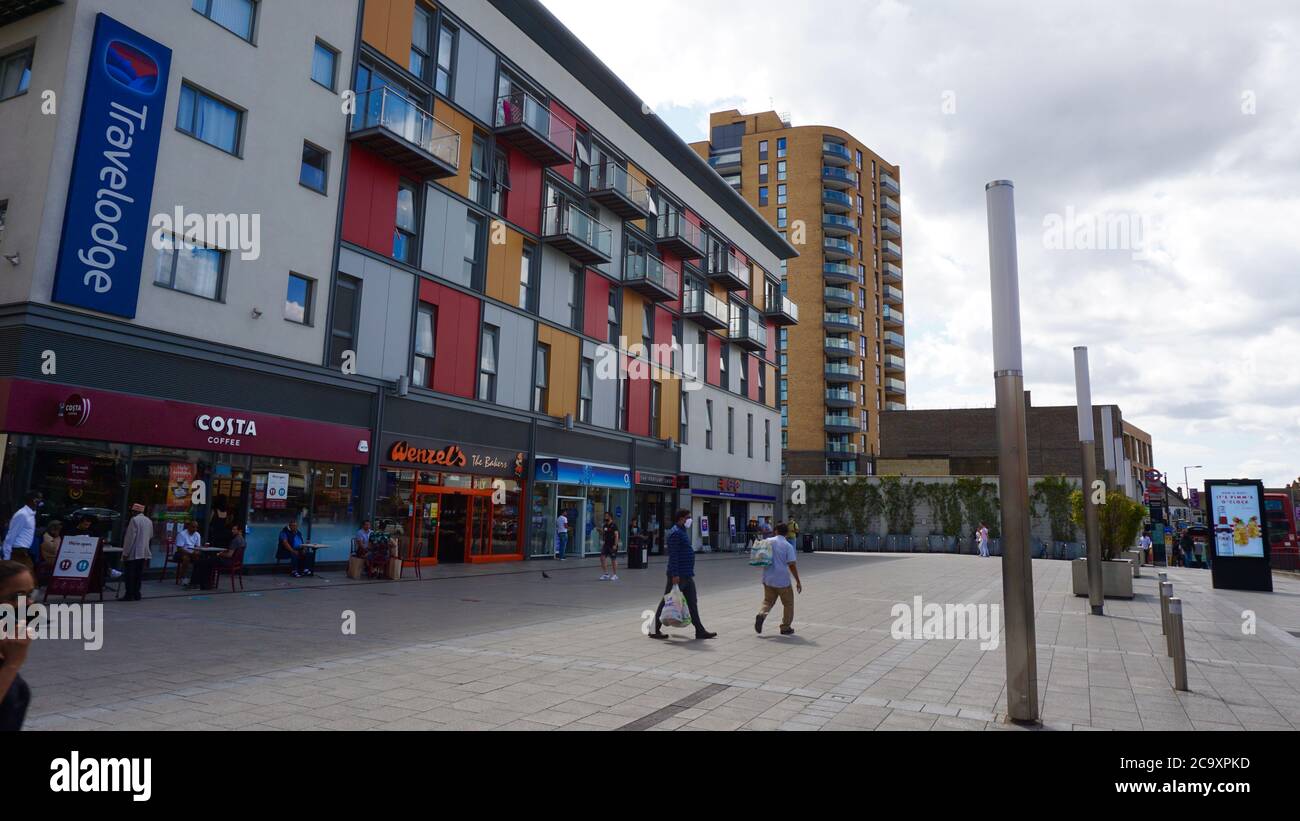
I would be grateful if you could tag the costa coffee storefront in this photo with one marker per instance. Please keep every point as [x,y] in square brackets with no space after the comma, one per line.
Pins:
[93,453]
[451,502]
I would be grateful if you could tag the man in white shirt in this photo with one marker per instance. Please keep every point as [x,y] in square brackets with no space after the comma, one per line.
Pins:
[188,542]
[1145,545]
[561,535]
[776,582]
[22,527]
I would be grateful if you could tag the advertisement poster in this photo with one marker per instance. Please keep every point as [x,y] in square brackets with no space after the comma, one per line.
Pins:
[180,475]
[72,567]
[277,490]
[1234,511]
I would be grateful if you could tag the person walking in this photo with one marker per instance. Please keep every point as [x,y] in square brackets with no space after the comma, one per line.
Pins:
[22,529]
[681,573]
[561,535]
[983,536]
[609,549]
[16,582]
[135,551]
[776,582]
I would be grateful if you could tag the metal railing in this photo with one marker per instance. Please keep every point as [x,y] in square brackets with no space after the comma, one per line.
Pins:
[703,302]
[521,108]
[648,267]
[571,221]
[386,108]
[611,176]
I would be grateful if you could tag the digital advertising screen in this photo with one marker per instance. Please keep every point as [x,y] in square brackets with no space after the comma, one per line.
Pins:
[1238,525]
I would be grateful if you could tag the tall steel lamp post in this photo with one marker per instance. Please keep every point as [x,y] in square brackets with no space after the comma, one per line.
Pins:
[1013,457]
[1087,449]
[1187,486]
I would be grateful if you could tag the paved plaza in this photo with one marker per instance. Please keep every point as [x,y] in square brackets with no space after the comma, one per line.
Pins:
[502,647]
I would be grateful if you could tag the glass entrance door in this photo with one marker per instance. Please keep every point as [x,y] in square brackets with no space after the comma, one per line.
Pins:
[574,509]
[453,528]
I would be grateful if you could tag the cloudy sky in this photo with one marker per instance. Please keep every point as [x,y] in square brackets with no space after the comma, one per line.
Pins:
[1175,126]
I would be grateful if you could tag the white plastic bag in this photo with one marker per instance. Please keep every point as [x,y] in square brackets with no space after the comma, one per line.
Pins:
[675,612]
[761,553]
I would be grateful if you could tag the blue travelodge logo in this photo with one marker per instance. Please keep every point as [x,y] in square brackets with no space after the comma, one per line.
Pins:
[131,67]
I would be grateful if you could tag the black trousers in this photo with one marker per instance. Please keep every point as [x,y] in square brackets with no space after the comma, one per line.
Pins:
[132,575]
[687,585]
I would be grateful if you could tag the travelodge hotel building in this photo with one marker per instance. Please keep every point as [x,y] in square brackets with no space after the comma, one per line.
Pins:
[318,261]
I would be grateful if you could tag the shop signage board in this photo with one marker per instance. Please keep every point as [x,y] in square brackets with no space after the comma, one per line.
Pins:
[1240,548]
[577,473]
[440,455]
[648,479]
[277,490]
[74,565]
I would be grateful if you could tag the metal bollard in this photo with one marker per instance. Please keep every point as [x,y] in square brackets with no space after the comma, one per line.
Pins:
[1177,647]
[1166,590]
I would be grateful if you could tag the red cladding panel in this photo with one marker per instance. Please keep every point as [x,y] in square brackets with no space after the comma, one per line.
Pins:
[523,203]
[638,399]
[673,263]
[455,363]
[370,202]
[712,356]
[664,336]
[595,319]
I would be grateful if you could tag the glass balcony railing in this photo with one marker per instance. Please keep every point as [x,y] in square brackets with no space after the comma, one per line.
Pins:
[842,320]
[843,371]
[893,339]
[840,223]
[835,198]
[519,108]
[898,406]
[889,183]
[385,108]
[835,245]
[840,271]
[841,295]
[890,206]
[673,228]
[890,228]
[837,151]
[843,448]
[728,265]
[892,271]
[648,268]
[705,306]
[891,249]
[841,395]
[725,159]
[615,179]
[835,343]
[891,315]
[571,222]
[894,363]
[892,294]
[895,385]
[839,175]
[746,326]
[841,420]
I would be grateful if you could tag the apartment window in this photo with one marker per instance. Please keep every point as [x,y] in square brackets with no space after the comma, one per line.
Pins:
[581,160]
[624,396]
[324,65]
[780,148]
[781,217]
[575,296]
[655,398]
[500,183]
[407,224]
[762,195]
[762,172]
[785,422]
[421,31]
[540,383]
[425,323]
[4,211]
[586,380]
[780,170]
[298,299]
[648,328]
[744,375]
[487,364]
[762,149]
[527,280]
[15,73]
[708,424]
[723,356]
[762,382]
[612,317]
[749,435]
[873,169]
[780,195]
[473,248]
[731,429]
[686,419]
[232,15]
[446,59]
[783,338]
[479,189]
[767,440]
[677,344]
[858,157]
[315,168]
[785,390]
[193,270]
[209,120]
[347,307]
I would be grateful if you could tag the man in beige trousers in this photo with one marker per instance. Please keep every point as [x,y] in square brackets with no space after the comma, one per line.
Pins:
[776,582]
[135,551]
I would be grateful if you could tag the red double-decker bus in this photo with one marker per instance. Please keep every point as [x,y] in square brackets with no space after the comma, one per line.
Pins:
[1279,513]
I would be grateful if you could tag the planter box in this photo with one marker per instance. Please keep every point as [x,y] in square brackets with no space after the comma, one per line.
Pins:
[995,547]
[873,543]
[1136,556]
[1116,578]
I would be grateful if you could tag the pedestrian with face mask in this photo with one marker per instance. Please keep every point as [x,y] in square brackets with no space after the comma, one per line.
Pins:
[681,573]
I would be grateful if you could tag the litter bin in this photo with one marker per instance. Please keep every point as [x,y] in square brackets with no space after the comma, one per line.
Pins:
[637,550]
[807,543]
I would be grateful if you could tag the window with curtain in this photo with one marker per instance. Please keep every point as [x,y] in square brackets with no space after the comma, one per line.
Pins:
[487,368]
[194,269]
[233,15]
[425,324]
[407,225]
[209,120]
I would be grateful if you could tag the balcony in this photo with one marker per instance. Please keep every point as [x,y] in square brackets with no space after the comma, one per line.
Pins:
[891,250]
[893,363]
[746,329]
[706,310]
[893,318]
[841,423]
[675,233]
[892,294]
[893,385]
[890,206]
[889,184]
[890,228]
[841,450]
[838,346]
[899,406]
[645,273]
[837,202]
[15,10]
[837,249]
[782,313]
[839,297]
[526,122]
[841,398]
[839,178]
[841,322]
[839,372]
[726,269]
[892,273]
[725,161]
[835,225]
[839,272]
[411,138]
[836,154]
[576,233]
[613,187]
[893,339]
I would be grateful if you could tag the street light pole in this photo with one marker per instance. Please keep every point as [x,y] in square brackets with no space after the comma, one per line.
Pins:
[1187,486]
[1087,450]
[1013,458]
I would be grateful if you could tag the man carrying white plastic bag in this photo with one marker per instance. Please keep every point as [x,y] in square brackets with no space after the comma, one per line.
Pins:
[776,582]
[681,582]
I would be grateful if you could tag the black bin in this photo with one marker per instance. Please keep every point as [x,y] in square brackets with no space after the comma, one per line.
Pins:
[637,550]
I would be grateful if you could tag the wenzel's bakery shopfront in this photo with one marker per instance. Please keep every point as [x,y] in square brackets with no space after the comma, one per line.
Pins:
[94,453]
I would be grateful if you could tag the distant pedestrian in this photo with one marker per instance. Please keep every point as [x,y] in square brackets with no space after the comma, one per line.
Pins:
[291,547]
[16,582]
[22,529]
[561,535]
[776,582]
[681,573]
[982,535]
[135,551]
[1144,544]
[609,537]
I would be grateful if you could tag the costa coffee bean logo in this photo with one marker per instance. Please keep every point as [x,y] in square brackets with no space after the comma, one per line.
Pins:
[75,410]
[450,456]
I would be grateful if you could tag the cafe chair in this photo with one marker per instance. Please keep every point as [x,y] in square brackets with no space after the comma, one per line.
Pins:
[412,556]
[169,555]
[234,566]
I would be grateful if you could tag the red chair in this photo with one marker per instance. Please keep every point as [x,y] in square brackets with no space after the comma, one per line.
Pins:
[169,552]
[234,566]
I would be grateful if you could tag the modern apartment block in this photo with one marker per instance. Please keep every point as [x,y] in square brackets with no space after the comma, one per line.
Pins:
[837,201]
[487,288]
